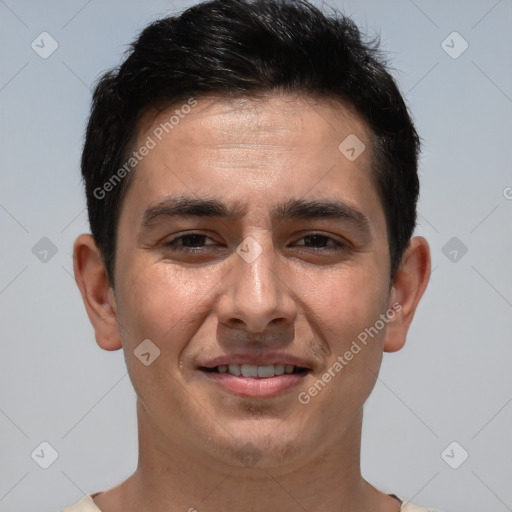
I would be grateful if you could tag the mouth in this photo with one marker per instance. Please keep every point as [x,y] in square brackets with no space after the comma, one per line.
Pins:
[255,371]
[255,381]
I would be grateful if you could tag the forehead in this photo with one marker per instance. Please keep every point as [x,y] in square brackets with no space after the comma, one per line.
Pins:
[274,122]
[259,151]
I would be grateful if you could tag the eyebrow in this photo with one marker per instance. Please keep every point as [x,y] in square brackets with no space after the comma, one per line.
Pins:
[321,209]
[185,206]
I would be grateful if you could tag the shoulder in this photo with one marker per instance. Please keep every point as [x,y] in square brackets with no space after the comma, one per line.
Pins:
[407,506]
[86,504]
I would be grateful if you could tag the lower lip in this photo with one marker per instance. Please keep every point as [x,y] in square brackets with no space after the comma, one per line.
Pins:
[256,387]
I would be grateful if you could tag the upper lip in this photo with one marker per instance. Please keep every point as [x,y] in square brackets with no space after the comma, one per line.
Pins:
[257,360]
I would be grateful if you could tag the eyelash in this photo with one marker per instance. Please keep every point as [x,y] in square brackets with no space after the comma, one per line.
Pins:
[174,243]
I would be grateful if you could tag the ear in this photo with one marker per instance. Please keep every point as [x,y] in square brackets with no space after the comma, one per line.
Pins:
[92,280]
[408,287]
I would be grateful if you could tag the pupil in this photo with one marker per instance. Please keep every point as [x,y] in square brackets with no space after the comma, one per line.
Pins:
[317,240]
[193,240]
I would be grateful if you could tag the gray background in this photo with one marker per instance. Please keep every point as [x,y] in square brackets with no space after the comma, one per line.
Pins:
[452,381]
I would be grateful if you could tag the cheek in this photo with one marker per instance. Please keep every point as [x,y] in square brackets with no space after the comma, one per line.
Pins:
[346,308]
[345,302]
[161,303]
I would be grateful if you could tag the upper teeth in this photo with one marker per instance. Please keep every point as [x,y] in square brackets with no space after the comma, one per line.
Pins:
[250,370]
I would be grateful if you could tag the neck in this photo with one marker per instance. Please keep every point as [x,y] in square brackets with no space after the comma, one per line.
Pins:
[168,479]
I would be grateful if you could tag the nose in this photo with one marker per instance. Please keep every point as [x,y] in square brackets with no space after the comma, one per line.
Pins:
[255,295]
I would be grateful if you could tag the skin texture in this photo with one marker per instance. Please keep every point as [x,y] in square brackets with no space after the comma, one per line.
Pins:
[301,296]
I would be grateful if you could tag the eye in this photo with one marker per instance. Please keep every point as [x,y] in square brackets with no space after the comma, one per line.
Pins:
[320,242]
[189,241]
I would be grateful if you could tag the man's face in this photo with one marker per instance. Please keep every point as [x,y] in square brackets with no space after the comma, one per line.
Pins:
[305,281]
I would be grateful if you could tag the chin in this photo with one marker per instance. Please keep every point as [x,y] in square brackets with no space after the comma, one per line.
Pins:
[259,444]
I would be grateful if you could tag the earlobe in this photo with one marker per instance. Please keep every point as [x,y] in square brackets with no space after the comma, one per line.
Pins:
[92,281]
[408,288]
